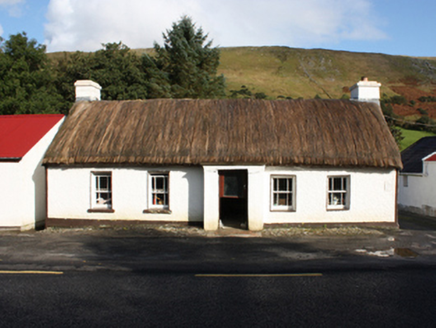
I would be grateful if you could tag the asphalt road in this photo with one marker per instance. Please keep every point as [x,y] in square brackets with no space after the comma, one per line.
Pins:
[346,298]
[104,279]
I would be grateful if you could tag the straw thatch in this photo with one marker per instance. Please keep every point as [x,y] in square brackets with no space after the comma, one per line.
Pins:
[192,132]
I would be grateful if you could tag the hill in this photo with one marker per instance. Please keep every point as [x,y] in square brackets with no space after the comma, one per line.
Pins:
[278,72]
[282,71]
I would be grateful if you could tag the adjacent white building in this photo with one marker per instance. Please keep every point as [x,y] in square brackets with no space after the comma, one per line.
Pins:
[23,142]
[244,163]
[417,180]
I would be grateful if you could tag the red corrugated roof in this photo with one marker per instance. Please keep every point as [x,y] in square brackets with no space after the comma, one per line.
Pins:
[19,133]
[431,159]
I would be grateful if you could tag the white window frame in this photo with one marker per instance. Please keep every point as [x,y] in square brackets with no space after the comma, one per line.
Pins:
[338,199]
[291,190]
[153,191]
[98,202]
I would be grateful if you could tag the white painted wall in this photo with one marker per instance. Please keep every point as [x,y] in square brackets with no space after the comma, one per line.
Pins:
[69,193]
[194,195]
[372,193]
[22,196]
[420,194]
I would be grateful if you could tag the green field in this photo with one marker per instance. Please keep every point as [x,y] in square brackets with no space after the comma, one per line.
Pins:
[411,136]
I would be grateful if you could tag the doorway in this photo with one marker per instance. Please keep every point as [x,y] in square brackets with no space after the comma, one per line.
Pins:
[233,198]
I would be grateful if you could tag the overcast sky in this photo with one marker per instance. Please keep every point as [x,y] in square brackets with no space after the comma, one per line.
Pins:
[398,27]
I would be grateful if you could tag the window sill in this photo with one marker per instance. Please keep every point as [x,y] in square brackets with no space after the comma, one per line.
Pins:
[156,211]
[338,208]
[282,210]
[101,210]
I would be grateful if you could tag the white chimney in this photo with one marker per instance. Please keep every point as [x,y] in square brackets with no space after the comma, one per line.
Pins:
[365,90]
[87,90]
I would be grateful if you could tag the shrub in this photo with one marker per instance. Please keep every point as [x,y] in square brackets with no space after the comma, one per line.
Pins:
[427,99]
[260,95]
[398,100]
[422,111]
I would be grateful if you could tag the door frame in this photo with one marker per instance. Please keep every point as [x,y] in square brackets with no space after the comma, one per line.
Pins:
[242,193]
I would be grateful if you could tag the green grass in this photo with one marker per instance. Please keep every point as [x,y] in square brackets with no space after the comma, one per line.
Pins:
[411,136]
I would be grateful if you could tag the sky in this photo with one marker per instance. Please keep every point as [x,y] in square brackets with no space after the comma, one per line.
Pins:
[395,27]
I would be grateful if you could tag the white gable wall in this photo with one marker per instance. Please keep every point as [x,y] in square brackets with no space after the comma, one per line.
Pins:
[420,194]
[22,196]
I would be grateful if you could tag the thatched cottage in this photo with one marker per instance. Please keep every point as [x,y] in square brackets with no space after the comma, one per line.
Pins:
[233,162]
[23,142]
[416,191]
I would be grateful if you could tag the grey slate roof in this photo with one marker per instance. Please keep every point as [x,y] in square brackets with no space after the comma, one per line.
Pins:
[413,155]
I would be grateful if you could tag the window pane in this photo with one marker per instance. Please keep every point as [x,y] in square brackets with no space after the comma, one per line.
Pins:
[276,199]
[231,186]
[103,183]
[283,184]
[336,199]
[159,199]
[103,195]
[159,184]
[337,184]
[290,200]
[283,199]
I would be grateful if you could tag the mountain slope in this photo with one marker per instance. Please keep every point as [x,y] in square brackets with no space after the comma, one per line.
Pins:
[292,72]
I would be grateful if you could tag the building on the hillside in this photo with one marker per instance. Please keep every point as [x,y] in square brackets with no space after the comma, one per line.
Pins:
[235,161]
[417,180]
[23,142]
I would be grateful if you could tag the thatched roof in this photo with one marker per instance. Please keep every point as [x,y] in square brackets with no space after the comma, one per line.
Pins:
[192,132]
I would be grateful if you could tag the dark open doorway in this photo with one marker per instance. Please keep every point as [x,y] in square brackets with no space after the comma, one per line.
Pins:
[233,198]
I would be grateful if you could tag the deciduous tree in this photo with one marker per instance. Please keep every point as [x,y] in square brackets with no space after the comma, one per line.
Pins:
[27,80]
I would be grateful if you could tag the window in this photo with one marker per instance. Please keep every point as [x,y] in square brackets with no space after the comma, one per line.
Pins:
[338,192]
[159,196]
[405,180]
[282,193]
[102,190]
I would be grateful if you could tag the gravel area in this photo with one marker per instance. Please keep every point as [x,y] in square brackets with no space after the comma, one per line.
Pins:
[172,230]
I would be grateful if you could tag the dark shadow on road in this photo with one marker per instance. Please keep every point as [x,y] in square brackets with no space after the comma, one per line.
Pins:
[413,221]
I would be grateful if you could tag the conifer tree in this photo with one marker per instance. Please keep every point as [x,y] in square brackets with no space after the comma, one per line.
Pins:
[189,62]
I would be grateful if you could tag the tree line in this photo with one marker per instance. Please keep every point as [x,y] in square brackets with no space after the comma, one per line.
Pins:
[185,66]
